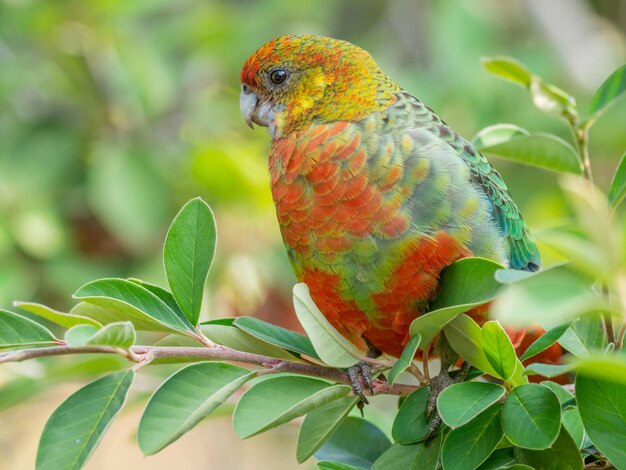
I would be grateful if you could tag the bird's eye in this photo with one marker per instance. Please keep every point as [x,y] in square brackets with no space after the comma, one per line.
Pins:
[278,76]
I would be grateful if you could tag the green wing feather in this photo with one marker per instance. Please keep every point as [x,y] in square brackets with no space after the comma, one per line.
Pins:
[523,253]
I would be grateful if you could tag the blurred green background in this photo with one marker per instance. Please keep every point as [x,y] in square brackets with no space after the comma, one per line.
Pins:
[114,113]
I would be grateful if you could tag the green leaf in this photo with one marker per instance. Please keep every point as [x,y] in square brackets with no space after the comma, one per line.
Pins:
[610,367]
[282,337]
[499,459]
[320,424]
[618,184]
[498,349]
[120,299]
[497,134]
[163,294]
[545,341]
[66,320]
[465,284]
[234,338]
[420,456]
[410,424]
[562,455]
[612,89]
[188,253]
[585,336]
[548,370]
[574,425]
[330,465]
[602,407]
[508,69]
[117,335]
[79,335]
[16,330]
[531,416]
[471,444]
[511,276]
[330,346]
[548,298]
[184,399]
[460,403]
[76,427]
[356,442]
[537,149]
[408,353]
[464,335]
[278,400]
[551,99]
[563,395]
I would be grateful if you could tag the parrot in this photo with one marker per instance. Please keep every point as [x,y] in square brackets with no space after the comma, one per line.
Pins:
[374,193]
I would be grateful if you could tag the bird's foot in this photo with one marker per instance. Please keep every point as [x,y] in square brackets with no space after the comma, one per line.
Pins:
[437,385]
[361,376]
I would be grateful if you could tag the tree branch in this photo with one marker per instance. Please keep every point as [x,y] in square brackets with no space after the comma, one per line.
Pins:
[144,355]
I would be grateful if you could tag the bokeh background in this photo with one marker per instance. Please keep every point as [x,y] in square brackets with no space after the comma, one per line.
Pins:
[114,113]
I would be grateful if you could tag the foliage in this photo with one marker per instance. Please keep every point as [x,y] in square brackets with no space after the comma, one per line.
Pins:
[496,420]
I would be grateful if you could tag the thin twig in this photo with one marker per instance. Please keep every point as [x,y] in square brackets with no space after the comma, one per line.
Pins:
[144,355]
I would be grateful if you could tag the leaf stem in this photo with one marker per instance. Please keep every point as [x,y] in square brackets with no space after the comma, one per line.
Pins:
[143,355]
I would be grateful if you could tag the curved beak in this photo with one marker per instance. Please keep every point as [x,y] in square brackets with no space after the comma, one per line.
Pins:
[247,105]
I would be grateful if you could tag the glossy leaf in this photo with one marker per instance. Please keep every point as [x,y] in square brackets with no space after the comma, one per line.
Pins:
[320,424]
[77,426]
[184,399]
[16,330]
[497,134]
[331,465]
[66,320]
[538,149]
[79,335]
[188,254]
[498,460]
[460,403]
[471,444]
[163,294]
[563,454]
[585,336]
[233,337]
[356,442]
[420,456]
[618,184]
[563,395]
[508,69]
[545,341]
[531,416]
[464,335]
[330,346]
[408,353]
[410,424]
[548,298]
[611,367]
[465,284]
[124,300]
[278,400]
[281,337]
[498,349]
[612,89]
[117,335]
[602,407]
[551,99]
[574,425]
[548,370]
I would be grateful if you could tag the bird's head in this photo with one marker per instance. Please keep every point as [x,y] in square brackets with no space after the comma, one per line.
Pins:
[293,81]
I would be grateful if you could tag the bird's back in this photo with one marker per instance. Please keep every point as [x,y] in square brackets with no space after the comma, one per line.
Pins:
[371,211]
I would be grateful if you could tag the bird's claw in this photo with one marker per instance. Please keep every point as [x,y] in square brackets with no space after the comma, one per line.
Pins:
[361,375]
[437,385]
